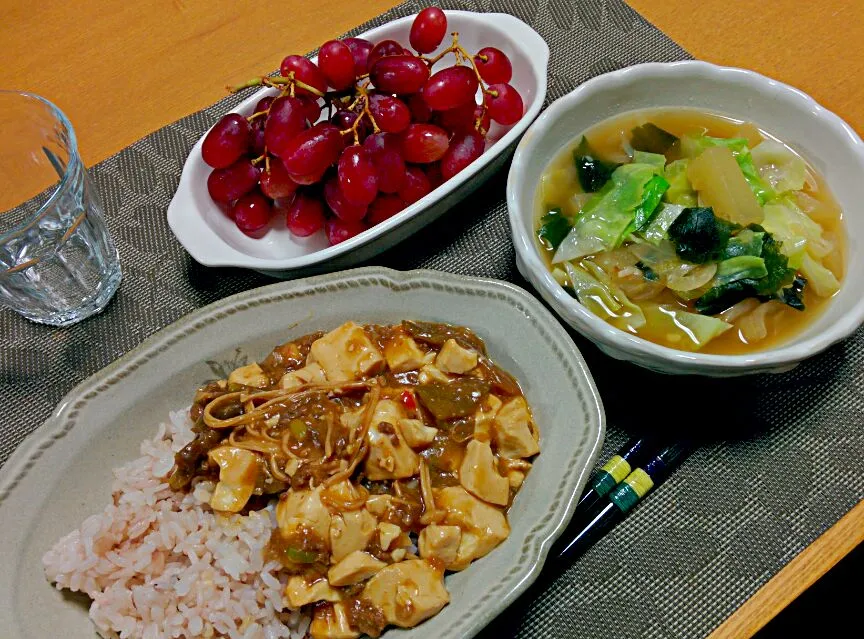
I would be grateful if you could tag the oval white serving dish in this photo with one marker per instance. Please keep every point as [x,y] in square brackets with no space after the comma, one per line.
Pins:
[819,135]
[214,240]
[62,472]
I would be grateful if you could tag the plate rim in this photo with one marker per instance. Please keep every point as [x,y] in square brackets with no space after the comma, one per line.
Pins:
[538,539]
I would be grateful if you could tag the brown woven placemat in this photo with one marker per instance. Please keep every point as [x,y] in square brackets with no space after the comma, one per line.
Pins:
[780,458]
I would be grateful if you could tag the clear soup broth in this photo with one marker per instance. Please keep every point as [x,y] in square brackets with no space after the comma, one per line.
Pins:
[802,226]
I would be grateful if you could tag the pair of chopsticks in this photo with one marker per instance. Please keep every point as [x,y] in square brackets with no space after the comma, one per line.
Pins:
[614,489]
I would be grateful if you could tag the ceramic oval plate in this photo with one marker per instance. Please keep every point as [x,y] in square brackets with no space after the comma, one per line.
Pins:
[214,240]
[62,472]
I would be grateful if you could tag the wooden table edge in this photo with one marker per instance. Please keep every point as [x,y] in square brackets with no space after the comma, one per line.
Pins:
[828,42]
[796,577]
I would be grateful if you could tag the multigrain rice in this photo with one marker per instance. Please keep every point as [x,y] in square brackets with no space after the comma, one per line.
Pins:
[159,563]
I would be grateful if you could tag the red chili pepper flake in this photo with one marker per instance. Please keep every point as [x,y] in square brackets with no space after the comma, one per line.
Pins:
[408,400]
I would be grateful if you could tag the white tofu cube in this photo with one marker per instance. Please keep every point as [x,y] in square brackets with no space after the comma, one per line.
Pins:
[249,375]
[403,354]
[453,358]
[347,354]
[512,430]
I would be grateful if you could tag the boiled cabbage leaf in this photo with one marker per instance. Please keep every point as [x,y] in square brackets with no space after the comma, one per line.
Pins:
[651,196]
[658,229]
[694,331]
[592,293]
[821,280]
[747,242]
[657,160]
[779,166]
[680,190]
[789,224]
[740,268]
[777,276]
[635,316]
[609,216]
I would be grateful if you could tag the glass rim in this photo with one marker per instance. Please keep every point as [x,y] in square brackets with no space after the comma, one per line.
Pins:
[71,166]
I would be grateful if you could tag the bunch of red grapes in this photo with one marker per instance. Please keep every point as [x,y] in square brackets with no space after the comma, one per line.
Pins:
[393,131]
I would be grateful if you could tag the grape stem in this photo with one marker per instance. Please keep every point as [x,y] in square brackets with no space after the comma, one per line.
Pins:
[462,56]
[259,159]
[362,97]
[290,81]
[258,114]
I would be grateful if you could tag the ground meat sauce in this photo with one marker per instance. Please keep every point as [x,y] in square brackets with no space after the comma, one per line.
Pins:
[288,357]
[366,478]
[365,616]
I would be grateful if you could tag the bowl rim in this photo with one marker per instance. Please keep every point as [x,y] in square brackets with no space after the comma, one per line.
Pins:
[583,319]
[207,247]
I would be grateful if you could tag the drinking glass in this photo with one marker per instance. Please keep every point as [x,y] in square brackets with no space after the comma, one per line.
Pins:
[58,264]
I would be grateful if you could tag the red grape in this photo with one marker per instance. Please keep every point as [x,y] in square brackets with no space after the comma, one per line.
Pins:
[229,138]
[416,185]
[282,204]
[257,144]
[286,120]
[228,184]
[420,111]
[341,230]
[428,30]
[505,107]
[383,48]
[423,143]
[311,108]
[258,125]
[382,141]
[358,179]
[251,213]
[339,204]
[463,150]
[360,50]
[386,153]
[310,178]
[264,104]
[305,216]
[313,150]
[399,74]
[433,174]
[457,120]
[390,168]
[345,120]
[495,68]
[450,88]
[383,208]
[276,182]
[391,114]
[305,71]
[337,64]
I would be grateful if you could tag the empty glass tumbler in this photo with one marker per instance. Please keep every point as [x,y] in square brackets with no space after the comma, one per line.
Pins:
[58,264]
